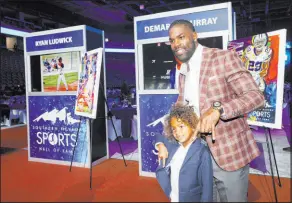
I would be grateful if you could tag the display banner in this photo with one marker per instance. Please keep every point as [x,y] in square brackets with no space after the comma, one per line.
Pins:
[55,41]
[88,83]
[205,21]
[152,107]
[53,129]
[264,55]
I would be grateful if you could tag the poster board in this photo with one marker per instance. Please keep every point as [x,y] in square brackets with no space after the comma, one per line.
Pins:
[88,84]
[264,56]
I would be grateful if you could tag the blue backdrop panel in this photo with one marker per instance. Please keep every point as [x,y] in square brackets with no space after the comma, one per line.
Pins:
[152,107]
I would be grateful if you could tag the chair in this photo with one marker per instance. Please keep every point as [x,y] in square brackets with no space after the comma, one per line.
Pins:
[14,114]
[4,113]
[22,116]
[134,131]
[111,131]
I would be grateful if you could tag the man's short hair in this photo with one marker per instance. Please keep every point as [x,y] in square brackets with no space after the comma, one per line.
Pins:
[182,22]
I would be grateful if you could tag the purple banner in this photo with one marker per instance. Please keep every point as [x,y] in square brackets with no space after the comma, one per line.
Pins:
[152,107]
[53,129]
[55,41]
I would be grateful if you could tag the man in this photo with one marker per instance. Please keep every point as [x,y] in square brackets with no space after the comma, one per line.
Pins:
[60,66]
[85,63]
[47,65]
[216,83]
[124,90]
[53,64]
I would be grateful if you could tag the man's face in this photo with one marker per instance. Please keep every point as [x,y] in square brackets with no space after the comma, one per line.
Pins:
[182,132]
[182,43]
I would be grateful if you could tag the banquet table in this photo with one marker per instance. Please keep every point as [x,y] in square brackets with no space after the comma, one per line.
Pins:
[125,114]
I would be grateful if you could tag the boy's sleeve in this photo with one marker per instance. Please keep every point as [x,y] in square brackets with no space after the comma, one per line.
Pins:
[206,171]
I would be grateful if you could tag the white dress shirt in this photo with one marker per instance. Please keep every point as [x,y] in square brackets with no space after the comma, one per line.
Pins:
[192,82]
[175,166]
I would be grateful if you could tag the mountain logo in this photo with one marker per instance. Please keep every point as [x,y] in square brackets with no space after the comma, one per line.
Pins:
[62,115]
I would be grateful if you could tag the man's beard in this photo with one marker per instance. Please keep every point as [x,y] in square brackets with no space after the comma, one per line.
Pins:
[188,52]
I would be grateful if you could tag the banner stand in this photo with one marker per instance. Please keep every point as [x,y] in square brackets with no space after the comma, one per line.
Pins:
[267,131]
[52,62]
[90,134]
[90,146]
[109,115]
[76,143]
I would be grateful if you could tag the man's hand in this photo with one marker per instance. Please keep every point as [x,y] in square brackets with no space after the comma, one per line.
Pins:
[162,154]
[208,122]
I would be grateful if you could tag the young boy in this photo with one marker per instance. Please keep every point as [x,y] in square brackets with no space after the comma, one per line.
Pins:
[188,174]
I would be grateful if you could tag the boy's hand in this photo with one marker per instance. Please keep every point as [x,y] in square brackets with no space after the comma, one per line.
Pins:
[162,154]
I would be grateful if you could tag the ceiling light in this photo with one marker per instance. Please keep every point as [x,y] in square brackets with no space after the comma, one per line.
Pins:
[141,7]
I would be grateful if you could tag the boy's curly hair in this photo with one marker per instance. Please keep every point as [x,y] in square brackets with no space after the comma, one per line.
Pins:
[185,113]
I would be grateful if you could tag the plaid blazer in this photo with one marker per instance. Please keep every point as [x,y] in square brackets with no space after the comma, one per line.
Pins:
[223,78]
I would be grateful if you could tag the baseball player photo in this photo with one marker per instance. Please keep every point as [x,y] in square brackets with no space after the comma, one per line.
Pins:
[60,71]
[60,67]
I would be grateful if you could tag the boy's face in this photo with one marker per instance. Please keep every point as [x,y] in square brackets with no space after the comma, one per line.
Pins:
[181,130]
